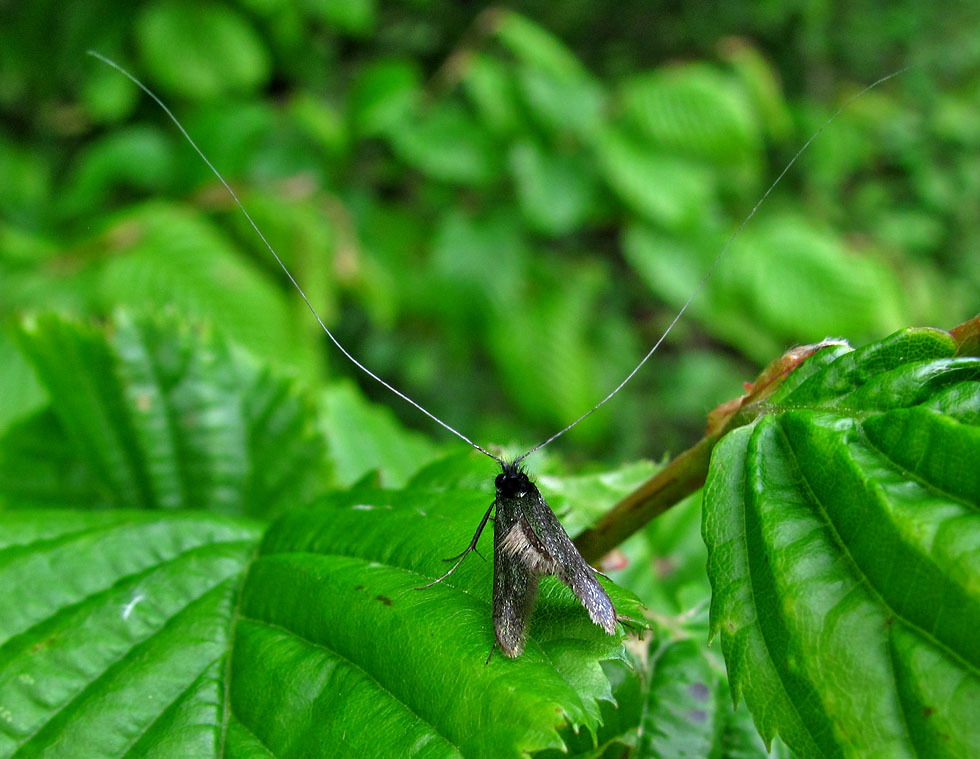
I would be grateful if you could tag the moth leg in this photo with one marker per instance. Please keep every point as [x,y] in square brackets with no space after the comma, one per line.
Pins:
[602,574]
[633,625]
[471,547]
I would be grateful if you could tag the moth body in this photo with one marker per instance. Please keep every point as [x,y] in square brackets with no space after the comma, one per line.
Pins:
[529,543]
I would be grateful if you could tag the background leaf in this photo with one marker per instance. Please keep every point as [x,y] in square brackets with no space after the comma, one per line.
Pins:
[447,144]
[664,188]
[360,435]
[359,133]
[157,417]
[177,44]
[555,192]
[386,93]
[692,110]
[162,262]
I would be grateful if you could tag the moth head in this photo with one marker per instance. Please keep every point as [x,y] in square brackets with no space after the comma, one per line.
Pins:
[513,482]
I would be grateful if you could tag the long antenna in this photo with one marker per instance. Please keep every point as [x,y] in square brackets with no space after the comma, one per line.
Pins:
[714,263]
[282,265]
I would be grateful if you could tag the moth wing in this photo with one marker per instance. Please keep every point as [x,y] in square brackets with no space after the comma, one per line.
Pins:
[515,587]
[570,567]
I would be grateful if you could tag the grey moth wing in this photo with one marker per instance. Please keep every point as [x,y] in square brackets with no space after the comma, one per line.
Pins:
[515,585]
[570,567]
[530,543]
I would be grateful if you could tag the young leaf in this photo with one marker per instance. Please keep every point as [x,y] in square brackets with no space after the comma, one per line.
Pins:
[842,526]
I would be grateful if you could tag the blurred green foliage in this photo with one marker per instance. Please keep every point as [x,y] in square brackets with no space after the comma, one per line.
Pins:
[498,212]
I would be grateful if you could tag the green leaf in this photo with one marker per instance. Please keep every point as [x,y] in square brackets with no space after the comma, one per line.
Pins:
[166,256]
[760,79]
[556,192]
[463,248]
[21,392]
[688,712]
[556,87]
[170,633]
[40,468]
[116,631]
[363,437]
[26,186]
[617,737]
[200,50]
[445,142]
[489,84]
[671,191]
[556,371]
[384,95]
[107,96]
[363,555]
[157,417]
[180,612]
[351,16]
[139,157]
[784,280]
[537,47]
[235,135]
[842,527]
[562,105]
[793,272]
[692,110]
[673,702]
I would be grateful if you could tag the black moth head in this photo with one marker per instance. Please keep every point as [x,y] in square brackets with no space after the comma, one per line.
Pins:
[513,482]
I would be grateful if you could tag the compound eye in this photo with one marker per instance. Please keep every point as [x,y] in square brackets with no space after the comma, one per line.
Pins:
[500,480]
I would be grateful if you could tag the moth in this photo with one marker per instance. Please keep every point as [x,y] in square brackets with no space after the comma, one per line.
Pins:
[529,541]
